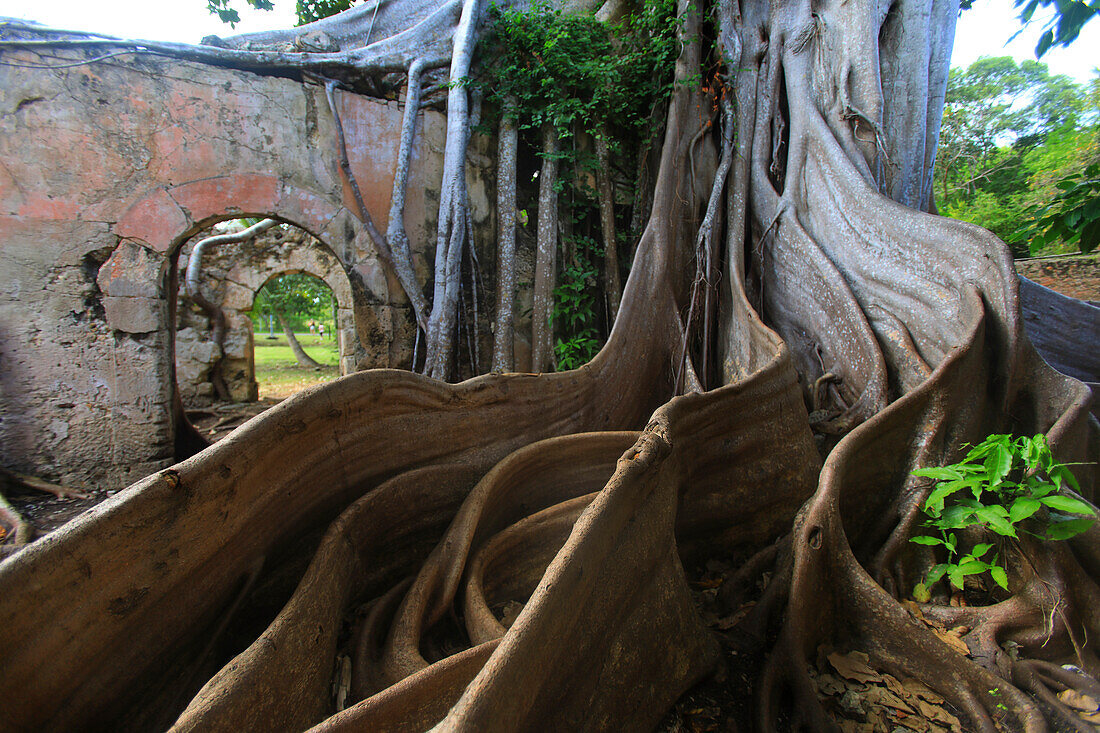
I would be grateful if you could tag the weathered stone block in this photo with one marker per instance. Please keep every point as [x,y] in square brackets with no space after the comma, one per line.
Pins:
[132,315]
[156,220]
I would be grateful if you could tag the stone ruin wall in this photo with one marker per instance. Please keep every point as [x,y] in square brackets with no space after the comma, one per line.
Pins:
[1077,276]
[109,168]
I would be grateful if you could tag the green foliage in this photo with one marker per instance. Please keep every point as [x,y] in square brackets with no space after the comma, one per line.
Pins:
[575,301]
[307,10]
[228,14]
[1072,216]
[297,296]
[1066,23]
[1010,133]
[1003,487]
[569,71]
[543,66]
[311,10]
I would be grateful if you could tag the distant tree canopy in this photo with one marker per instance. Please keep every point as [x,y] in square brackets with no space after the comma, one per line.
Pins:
[307,10]
[1012,133]
[298,297]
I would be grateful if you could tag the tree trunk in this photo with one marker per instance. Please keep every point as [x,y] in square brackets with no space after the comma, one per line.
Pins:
[451,232]
[542,347]
[300,354]
[612,281]
[395,232]
[503,331]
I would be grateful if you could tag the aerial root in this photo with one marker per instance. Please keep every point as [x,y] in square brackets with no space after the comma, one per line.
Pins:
[785,680]
[366,671]
[11,479]
[886,572]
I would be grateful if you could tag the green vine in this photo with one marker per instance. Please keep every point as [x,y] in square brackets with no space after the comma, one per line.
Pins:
[575,301]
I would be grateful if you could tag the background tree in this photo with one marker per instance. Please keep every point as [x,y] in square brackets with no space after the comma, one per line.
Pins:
[1010,131]
[795,338]
[293,299]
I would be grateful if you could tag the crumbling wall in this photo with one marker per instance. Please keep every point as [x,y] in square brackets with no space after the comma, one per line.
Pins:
[108,168]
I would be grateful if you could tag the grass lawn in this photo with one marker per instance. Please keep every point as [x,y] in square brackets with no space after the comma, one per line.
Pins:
[279,375]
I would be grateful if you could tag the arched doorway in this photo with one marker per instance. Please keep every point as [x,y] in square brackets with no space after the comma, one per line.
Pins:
[215,340]
[295,343]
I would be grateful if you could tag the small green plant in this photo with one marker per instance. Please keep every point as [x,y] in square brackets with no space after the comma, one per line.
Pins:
[1005,486]
[575,307]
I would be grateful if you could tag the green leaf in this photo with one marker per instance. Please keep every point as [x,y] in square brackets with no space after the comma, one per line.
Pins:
[1060,474]
[1068,528]
[995,521]
[954,573]
[921,594]
[1000,577]
[956,517]
[1068,504]
[1023,508]
[935,500]
[998,464]
[926,540]
[935,573]
[972,567]
[940,473]
[980,550]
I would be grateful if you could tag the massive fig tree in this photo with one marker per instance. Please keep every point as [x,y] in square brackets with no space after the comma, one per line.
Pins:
[796,336]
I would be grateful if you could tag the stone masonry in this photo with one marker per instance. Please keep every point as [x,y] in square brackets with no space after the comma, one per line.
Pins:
[108,169]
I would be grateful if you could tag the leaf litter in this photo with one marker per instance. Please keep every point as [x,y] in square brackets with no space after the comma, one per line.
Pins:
[863,700]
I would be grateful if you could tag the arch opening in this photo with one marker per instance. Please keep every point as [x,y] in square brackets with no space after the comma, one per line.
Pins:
[230,362]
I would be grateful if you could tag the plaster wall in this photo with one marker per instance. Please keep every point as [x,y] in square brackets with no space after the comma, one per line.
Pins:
[106,169]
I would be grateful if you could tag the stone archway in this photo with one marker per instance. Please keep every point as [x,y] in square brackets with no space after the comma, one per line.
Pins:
[138,280]
[155,150]
[232,276]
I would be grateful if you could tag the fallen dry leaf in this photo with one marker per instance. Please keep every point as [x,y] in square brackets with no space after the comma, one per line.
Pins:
[953,641]
[854,667]
[880,696]
[894,686]
[938,714]
[728,622]
[829,685]
[923,691]
[1093,718]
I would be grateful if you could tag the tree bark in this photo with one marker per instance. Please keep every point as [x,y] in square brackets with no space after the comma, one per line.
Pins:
[451,233]
[584,495]
[542,348]
[612,281]
[395,232]
[503,331]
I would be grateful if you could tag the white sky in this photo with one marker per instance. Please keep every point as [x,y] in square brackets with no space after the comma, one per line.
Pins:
[982,31]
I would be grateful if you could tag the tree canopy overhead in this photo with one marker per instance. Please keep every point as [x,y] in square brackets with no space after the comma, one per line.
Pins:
[795,338]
